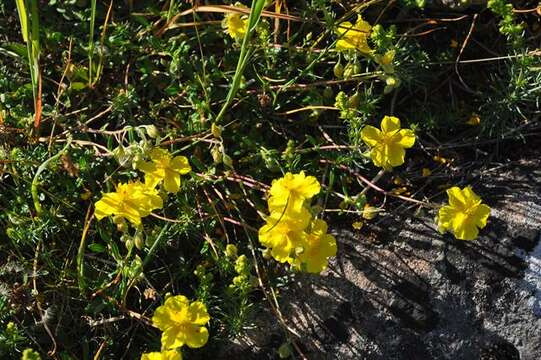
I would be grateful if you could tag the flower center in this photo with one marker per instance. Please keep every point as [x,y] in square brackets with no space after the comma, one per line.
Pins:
[389,138]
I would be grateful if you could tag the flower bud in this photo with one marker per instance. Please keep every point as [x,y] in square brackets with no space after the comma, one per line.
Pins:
[216,155]
[266,254]
[138,241]
[391,81]
[284,351]
[231,251]
[369,212]
[227,161]
[216,130]
[128,243]
[241,265]
[11,327]
[338,70]
[199,271]
[328,93]
[152,131]
[30,354]
[239,280]
[354,100]
[348,71]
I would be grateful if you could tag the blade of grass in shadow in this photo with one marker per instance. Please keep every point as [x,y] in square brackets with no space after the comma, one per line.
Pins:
[253,20]
[91,40]
[99,67]
[170,11]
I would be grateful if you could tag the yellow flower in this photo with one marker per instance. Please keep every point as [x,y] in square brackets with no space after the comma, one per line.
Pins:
[292,190]
[317,247]
[388,144]
[464,215]
[369,212]
[236,24]
[166,168]
[182,322]
[357,225]
[131,201]
[474,120]
[164,355]
[283,233]
[354,36]
[426,172]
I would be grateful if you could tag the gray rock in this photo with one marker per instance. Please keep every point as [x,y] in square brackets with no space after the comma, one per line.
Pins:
[400,290]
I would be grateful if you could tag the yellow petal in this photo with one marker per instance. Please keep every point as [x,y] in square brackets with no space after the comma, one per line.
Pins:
[371,135]
[456,197]
[173,337]
[466,231]
[445,216]
[394,155]
[390,124]
[480,217]
[152,181]
[146,166]
[308,186]
[164,355]
[344,44]
[199,314]
[158,154]
[171,181]
[163,315]
[407,138]
[181,165]
[471,197]
[362,25]
[319,227]
[344,28]
[197,336]
[377,156]
[106,205]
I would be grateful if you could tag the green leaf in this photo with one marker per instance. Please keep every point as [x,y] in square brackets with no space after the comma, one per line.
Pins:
[77,85]
[97,248]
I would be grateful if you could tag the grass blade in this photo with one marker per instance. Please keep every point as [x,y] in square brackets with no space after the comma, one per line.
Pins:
[253,20]
[31,38]
[91,40]
[23,18]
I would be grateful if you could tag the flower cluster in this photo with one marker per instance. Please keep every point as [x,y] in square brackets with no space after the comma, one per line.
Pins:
[182,323]
[464,215]
[291,233]
[242,282]
[134,200]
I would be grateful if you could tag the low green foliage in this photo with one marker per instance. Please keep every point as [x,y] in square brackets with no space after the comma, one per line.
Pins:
[161,74]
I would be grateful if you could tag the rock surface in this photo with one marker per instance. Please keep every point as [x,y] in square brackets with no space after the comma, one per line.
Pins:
[400,290]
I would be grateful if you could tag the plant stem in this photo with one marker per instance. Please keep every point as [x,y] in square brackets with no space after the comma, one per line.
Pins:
[81,251]
[373,181]
[41,168]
